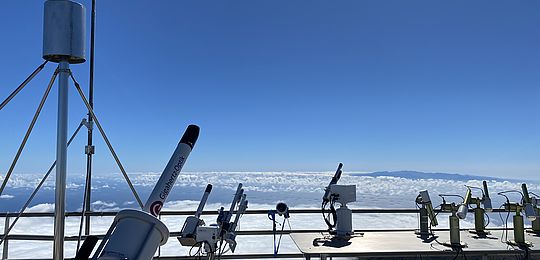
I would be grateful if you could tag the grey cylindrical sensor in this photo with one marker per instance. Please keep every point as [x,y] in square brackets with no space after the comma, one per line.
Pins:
[64,30]
[462,211]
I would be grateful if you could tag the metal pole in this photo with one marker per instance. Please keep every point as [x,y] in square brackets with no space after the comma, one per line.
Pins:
[6,247]
[90,146]
[61,161]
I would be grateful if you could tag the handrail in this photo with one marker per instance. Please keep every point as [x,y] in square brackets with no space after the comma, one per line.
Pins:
[29,237]
[215,212]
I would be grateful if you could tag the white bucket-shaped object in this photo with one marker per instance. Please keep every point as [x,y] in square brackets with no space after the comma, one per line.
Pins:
[64,29]
[137,236]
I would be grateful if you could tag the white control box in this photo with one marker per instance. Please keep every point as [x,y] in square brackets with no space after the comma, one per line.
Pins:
[343,193]
[208,234]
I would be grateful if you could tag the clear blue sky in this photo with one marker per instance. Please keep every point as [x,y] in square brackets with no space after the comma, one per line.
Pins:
[447,86]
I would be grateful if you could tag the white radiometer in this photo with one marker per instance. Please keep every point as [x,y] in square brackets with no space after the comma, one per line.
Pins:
[339,221]
[195,234]
[470,200]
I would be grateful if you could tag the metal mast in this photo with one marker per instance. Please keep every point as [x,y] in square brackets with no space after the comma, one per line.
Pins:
[89,150]
[63,42]
[61,158]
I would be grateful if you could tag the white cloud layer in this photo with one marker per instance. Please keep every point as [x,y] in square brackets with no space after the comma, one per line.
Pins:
[300,190]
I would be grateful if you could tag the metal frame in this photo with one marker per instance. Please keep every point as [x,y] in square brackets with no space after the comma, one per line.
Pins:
[29,237]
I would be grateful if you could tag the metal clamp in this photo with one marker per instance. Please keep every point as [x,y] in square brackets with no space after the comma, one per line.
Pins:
[89,124]
[89,149]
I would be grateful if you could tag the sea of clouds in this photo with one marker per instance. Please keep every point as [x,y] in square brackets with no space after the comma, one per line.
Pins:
[264,189]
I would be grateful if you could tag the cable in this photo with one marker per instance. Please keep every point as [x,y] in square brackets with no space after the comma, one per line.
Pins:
[505,225]
[198,250]
[510,191]
[457,253]
[451,195]
[330,222]
[472,187]
[220,249]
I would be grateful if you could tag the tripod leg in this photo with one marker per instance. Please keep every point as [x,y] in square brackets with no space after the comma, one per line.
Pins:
[28,132]
[23,84]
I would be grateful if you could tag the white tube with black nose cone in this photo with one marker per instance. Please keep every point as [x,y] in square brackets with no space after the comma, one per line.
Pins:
[236,200]
[172,170]
[207,191]
[335,179]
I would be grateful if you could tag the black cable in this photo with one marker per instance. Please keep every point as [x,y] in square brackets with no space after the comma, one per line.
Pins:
[330,222]
[333,212]
[220,249]
[432,247]
[472,187]
[457,253]
[435,216]
[193,246]
[463,253]
[526,256]
[505,224]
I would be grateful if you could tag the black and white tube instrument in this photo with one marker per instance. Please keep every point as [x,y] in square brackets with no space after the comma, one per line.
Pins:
[236,200]
[204,198]
[167,179]
[335,179]
[230,236]
[136,234]
[188,235]
[242,206]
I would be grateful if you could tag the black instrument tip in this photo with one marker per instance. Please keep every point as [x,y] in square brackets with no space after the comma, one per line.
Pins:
[190,135]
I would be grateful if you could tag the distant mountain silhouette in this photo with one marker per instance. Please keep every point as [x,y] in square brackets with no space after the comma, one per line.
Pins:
[433,175]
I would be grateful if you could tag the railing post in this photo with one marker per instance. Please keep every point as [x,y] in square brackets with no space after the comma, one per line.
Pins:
[159,248]
[5,249]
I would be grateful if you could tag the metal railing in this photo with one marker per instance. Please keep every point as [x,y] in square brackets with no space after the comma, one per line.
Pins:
[32,237]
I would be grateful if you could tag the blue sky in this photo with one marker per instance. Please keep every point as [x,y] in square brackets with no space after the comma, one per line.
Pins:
[444,86]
